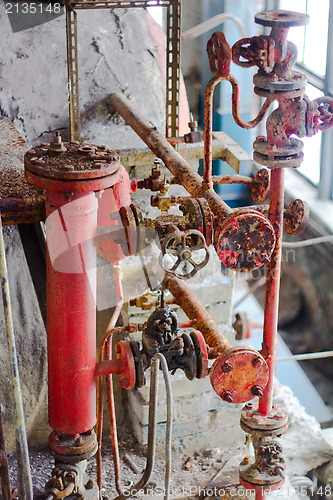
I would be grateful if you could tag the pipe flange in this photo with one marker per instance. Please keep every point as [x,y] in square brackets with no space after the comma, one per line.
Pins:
[281,18]
[297,81]
[75,167]
[262,146]
[274,424]
[69,449]
[127,375]
[296,217]
[240,375]
[201,352]
[274,94]
[245,241]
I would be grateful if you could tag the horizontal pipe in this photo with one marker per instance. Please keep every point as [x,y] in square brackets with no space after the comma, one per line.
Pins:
[234,179]
[107,367]
[196,312]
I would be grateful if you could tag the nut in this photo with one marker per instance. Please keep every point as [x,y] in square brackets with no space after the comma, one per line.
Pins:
[227,396]
[227,367]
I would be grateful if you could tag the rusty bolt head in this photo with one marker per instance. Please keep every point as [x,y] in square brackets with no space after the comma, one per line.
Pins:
[245,461]
[227,367]
[90,484]
[257,391]
[227,396]
[256,361]
[56,145]
[261,450]
[69,168]
[230,260]
[79,441]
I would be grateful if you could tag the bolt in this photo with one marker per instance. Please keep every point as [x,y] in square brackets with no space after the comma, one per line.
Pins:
[56,145]
[245,461]
[90,484]
[69,168]
[227,367]
[79,441]
[261,450]
[280,472]
[230,260]
[227,396]
[257,391]
[256,361]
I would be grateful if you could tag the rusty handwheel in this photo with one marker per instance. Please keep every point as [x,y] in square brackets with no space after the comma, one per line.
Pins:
[182,249]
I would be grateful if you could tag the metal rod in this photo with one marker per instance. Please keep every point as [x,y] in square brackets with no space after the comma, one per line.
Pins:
[168,431]
[272,289]
[24,474]
[307,355]
[196,312]
[4,472]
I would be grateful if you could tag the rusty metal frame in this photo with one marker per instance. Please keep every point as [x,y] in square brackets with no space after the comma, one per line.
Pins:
[172,57]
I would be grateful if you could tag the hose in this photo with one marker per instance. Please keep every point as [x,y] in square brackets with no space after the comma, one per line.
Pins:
[153,399]
[309,242]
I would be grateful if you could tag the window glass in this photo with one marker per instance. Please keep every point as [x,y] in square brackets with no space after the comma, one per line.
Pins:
[315,44]
[312,48]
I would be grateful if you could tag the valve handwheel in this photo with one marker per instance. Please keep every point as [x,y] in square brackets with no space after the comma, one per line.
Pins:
[182,248]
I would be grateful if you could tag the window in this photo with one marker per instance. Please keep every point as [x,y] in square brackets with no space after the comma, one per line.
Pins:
[315,54]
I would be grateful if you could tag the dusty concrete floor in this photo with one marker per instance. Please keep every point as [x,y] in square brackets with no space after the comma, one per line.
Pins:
[189,470]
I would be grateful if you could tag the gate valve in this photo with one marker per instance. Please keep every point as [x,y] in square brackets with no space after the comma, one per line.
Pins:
[156,179]
[160,331]
[181,249]
[123,366]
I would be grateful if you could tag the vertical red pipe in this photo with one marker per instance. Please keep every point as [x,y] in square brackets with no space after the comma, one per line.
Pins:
[272,289]
[71,310]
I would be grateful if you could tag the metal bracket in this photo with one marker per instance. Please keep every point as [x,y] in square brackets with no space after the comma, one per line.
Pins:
[172,58]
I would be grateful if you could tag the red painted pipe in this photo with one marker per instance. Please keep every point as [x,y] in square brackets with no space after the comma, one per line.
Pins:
[272,289]
[71,310]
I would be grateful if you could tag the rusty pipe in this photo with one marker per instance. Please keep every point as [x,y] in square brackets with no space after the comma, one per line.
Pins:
[106,341]
[238,374]
[208,120]
[272,289]
[159,145]
[196,312]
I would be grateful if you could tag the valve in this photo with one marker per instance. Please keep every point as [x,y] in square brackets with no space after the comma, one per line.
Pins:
[266,469]
[181,249]
[160,330]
